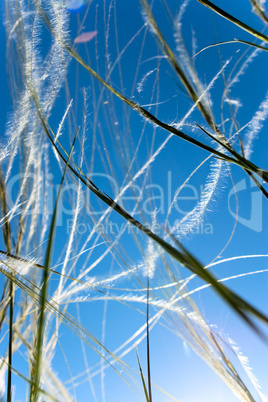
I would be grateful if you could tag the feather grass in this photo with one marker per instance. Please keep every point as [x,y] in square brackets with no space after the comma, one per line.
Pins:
[153,280]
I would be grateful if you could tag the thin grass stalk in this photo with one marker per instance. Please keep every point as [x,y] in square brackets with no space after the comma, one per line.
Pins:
[234,20]
[10,352]
[7,239]
[148,339]
[41,324]
[226,42]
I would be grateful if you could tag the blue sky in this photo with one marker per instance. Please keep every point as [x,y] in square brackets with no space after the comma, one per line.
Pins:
[116,137]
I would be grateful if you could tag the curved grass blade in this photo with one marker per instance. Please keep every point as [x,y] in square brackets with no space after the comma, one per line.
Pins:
[227,42]
[246,164]
[251,44]
[236,302]
[234,20]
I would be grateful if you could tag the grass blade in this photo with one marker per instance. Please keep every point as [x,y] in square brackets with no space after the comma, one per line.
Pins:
[41,324]
[148,340]
[142,378]
[234,20]
[227,42]
[7,239]
[246,164]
